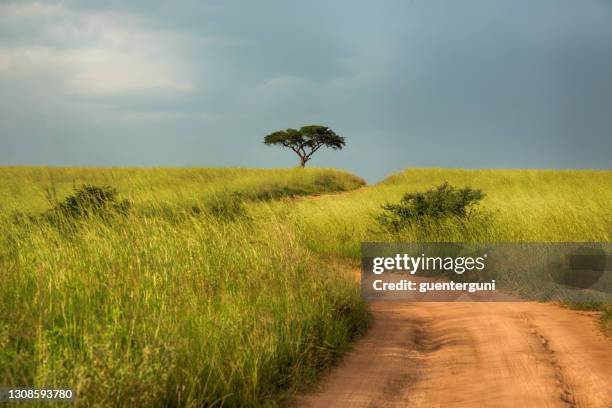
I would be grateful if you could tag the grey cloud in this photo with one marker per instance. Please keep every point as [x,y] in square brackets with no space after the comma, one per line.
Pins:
[478,83]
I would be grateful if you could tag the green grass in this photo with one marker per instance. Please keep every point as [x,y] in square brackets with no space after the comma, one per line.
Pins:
[604,308]
[168,306]
[219,287]
[29,189]
[520,206]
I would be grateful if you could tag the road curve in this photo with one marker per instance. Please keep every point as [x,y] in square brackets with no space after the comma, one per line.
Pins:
[469,354]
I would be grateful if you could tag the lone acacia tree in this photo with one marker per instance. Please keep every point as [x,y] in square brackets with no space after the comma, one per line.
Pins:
[306,141]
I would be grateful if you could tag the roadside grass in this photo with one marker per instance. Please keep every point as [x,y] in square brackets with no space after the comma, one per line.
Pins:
[604,308]
[216,288]
[29,189]
[520,206]
[163,305]
[606,318]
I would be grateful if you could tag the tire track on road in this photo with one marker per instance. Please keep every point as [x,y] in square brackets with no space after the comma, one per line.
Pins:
[463,354]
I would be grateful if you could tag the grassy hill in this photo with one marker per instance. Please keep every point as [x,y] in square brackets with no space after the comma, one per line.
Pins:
[28,188]
[520,205]
[217,285]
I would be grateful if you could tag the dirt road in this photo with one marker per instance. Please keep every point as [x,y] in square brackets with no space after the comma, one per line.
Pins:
[427,354]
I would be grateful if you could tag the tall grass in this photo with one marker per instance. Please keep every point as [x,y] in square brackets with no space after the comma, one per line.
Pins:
[215,289]
[29,189]
[166,306]
[520,206]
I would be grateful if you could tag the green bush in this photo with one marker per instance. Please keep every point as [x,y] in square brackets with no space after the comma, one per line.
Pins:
[330,182]
[227,206]
[276,191]
[89,200]
[436,204]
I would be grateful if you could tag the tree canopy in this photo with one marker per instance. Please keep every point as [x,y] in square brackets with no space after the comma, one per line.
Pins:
[306,141]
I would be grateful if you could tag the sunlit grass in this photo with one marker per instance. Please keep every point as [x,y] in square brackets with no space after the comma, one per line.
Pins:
[166,306]
[520,206]
[182,303]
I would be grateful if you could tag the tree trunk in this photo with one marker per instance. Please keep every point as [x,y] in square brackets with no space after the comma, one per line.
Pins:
[303,161]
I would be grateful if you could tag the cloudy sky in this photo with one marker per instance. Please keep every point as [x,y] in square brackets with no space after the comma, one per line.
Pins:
[471,83]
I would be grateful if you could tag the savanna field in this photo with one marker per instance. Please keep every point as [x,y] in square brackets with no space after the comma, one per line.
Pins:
[228,286]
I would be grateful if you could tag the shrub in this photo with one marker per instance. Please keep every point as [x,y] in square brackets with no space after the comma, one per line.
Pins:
[329,182]
[441,202]
[89,200]
[227,206]
[276,191]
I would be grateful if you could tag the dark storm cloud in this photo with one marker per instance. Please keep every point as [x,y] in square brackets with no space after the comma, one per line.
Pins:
[422,83]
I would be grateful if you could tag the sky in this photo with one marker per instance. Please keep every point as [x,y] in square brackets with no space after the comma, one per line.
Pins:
[409,83]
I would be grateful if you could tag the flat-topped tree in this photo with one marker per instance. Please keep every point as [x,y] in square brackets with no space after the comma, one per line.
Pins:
[306,141]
